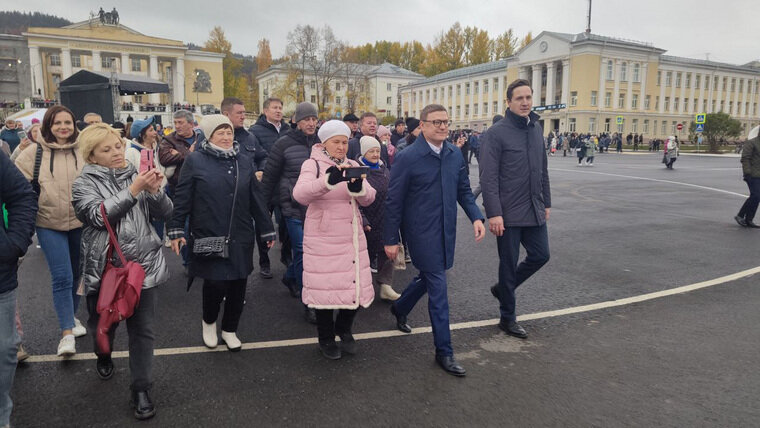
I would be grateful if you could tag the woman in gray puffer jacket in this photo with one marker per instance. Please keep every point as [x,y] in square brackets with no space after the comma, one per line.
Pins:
[131,200]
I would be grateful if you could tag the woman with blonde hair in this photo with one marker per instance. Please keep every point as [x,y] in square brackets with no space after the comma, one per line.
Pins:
[130,200]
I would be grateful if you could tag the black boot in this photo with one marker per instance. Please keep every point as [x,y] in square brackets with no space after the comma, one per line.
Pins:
[143,405]
[330,350]
[310,315]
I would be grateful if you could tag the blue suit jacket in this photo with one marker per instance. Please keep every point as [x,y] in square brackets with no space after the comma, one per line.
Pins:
[422,199]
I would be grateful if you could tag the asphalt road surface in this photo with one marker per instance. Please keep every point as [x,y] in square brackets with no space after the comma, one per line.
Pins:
[622,228]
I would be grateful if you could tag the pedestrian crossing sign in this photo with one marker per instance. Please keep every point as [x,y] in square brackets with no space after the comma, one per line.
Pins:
[700,127]
[700,118]
[619,120]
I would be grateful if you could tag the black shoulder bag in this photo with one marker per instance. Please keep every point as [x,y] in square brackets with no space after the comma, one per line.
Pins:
[218,246]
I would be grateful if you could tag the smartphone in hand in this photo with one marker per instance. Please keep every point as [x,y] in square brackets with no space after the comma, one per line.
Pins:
[146,160]
[356,172]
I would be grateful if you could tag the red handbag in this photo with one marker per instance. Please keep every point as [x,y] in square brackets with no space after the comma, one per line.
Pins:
[120,289]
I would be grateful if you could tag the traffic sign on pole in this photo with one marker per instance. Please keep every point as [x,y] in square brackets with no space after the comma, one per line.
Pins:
[679,126]
[619,120]
[700,118]
[700,127]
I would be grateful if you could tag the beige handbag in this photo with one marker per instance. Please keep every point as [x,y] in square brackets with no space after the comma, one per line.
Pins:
[400,262]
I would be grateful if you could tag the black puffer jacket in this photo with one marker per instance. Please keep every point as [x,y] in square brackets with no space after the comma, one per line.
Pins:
[374,214]
[21,202]
[267,133]
[282,170]
[251,146]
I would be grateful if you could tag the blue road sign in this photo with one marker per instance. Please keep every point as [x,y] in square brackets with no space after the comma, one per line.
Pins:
[700,118]
[619,120]
[700,127]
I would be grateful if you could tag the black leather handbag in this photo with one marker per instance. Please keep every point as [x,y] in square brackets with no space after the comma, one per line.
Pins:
[218,246]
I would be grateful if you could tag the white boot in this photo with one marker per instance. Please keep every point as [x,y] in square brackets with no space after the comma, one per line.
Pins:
[209,335]
[388,293]
[232,341]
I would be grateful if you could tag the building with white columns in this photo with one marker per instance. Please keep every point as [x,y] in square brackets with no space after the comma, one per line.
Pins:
[585,82]
[57,53]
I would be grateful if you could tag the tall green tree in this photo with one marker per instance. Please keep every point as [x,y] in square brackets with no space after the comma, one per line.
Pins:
[479,46]
[719,127]
[450,48]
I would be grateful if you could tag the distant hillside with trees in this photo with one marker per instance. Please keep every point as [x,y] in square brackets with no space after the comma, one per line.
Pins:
[15,22]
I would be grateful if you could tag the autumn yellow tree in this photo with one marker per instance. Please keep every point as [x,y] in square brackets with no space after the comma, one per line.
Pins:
[526,40]
[264,56]
[235,83]
[504,45]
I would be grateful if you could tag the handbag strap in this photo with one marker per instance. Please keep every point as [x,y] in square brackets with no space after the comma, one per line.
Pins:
[234,197]
[113,242]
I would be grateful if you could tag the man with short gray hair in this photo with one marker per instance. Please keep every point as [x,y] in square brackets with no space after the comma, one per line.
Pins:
[174,148]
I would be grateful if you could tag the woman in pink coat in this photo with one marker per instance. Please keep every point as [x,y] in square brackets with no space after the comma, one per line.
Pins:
[336,273]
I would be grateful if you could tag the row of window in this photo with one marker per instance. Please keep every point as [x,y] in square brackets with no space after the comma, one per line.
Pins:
[105,61]
[715,81]
[388,100]
[635,71]
[714,106]
[610,125]
[468,89]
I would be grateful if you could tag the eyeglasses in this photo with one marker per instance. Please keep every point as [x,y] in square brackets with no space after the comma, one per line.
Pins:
[438,123]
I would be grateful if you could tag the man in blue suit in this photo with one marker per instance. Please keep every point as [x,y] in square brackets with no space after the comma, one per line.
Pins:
[427,180]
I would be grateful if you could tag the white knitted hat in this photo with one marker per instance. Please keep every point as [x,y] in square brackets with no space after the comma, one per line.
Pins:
[367,143]
[332,128]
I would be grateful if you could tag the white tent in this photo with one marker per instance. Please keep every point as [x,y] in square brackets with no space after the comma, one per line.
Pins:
[26,115]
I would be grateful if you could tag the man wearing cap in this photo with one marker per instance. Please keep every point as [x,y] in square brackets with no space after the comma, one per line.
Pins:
[368,127]
[280,176]
[429,179]
[234,109]
[353,123]
[398,132]
[413,131]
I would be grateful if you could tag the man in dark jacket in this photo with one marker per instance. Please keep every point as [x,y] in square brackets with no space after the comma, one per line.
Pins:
[429,179]
[280,175]
[18,198]
[367,126]
[515,183]
[413,131]
[268,129]
[174,148]
[398,132]
[751,169]
[234,109]
[353,123]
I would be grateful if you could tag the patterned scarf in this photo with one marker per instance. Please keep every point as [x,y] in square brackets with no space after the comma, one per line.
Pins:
[336,160]
[220,152]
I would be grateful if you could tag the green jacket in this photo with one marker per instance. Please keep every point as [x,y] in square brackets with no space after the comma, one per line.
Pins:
[751,157]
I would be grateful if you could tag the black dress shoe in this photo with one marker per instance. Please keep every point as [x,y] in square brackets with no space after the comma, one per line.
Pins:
[740,220]
[266,272]
[104,367]
[512,328]
[400,321]
[347,343]
[310,315]
[450,365]
[752,225]
[330,350]
[142,404]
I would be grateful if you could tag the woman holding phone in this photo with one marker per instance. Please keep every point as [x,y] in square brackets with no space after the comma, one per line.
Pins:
[336,272]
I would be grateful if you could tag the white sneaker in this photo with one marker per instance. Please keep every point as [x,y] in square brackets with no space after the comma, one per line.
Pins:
[210,338]
[67,346]
[388,293]
[78,329]
[232,341]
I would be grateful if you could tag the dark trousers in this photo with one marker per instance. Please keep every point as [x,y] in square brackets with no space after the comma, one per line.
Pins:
[263,250]
[749,208]
[535,239]
[465,154]
[434,284]
[328,325]
[286,255]
[141,337]
[232,293]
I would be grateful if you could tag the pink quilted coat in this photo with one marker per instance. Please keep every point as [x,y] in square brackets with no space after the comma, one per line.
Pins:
[336,273]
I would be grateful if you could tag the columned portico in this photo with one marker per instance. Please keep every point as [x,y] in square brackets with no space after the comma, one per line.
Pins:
[35,62]
[153,67]
[536,83]
[565,81]
[66,62]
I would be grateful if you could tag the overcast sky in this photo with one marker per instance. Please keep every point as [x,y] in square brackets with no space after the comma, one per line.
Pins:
[728,30]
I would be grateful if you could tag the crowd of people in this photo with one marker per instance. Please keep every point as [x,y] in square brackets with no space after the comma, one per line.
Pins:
[349,200]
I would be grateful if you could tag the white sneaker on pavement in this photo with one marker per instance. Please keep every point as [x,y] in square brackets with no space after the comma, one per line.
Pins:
[78,329]
[67,346]
[210,339]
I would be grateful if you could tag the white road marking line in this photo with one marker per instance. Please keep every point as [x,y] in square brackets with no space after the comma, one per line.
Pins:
[421,330]
[652,179]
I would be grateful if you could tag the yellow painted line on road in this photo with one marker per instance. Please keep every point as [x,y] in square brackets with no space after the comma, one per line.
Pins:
[651,179]
[457,326]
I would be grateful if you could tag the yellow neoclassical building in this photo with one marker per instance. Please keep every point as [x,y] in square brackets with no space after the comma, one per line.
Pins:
[193,76]
[590,83]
